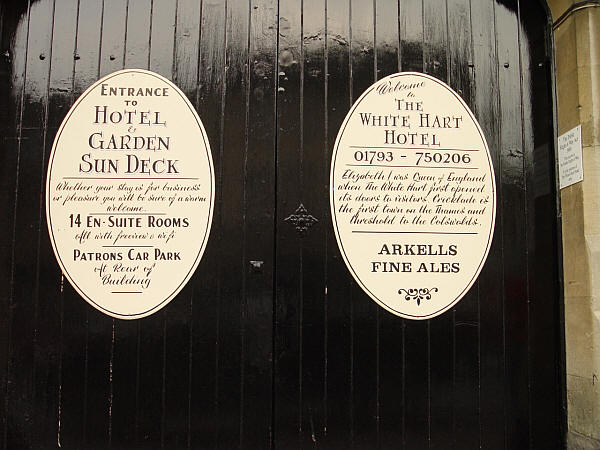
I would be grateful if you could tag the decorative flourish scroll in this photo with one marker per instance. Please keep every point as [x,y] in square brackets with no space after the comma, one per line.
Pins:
[417,294]
[301,220]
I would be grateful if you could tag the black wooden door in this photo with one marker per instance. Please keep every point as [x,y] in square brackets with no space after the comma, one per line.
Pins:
[272,344]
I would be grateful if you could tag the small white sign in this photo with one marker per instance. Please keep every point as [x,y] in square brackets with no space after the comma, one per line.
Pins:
[570,159]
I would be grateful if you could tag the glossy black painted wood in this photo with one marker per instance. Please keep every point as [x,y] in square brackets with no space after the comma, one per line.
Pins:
[291,354]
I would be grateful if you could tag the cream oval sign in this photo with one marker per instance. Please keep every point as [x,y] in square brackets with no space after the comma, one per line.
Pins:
[412,195]
[130,193]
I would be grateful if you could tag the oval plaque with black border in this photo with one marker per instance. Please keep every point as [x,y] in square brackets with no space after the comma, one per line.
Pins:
[130,193]
[412,195]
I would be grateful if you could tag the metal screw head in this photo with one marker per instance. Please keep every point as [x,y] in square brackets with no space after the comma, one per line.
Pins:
[256,265]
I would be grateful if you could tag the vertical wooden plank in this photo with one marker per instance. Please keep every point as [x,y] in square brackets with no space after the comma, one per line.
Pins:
[134,31]
[257,314]
[514,228]
[162,24]
[543,188]
[137,51]
[153,336]
[124,383]
[364,311]
[22,376]
[466,315]
[187,42]
[99,389]
[289,317]
[207,296]
[416,385]
[183,394]
[416,333]
[87,53]
[411,35]
[339,351]
[101,328]
[390,359]
[437,39]
[386,37]
[179,394]
[98,381]
[460,47]
[486,107]
[114,34]
[49,352]
[61,75]
[233,218]
[437,50]
[315,173]
[75,364]
[548,421]
[14,17]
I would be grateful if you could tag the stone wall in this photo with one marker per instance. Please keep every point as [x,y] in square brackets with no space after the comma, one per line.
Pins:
[577,47]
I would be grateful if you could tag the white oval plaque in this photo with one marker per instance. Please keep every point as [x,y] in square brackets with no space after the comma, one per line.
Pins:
[130,193]
[412,195]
